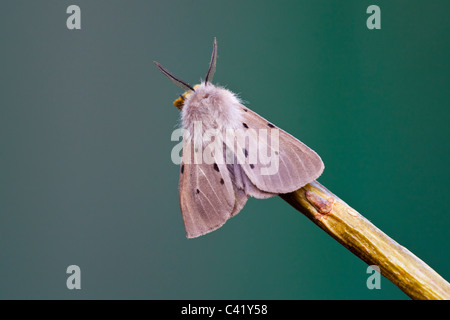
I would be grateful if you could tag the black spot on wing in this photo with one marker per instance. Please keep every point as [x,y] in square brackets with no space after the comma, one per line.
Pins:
[182,168]
[221,181]
[216,167]
[198,191]
[245,125]
[271,125]
[245,152]
[252,166]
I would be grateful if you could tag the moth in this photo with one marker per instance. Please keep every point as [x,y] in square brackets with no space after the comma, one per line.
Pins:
[231,153]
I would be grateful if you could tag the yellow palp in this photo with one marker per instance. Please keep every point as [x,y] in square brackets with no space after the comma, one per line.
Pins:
[179,103]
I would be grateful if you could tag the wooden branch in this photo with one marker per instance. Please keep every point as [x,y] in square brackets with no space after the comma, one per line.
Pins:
[360,236]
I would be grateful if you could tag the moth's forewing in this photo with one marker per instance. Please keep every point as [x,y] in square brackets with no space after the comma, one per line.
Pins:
[291,164]
[207,196]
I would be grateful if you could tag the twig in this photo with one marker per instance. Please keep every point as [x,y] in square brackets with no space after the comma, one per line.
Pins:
[360,236]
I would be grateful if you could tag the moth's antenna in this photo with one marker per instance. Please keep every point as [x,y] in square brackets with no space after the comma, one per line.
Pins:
[174,79]
[212,64]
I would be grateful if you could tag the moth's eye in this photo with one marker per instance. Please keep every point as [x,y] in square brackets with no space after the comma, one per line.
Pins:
[179,103]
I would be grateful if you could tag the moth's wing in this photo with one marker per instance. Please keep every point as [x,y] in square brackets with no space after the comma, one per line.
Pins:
[207,196]
[241,198]
[298,165]
[243,185]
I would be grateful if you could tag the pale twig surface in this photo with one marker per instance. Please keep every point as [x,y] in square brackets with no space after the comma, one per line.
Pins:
[360,236]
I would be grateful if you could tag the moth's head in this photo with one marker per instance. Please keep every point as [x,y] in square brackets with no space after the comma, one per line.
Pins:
[179,103]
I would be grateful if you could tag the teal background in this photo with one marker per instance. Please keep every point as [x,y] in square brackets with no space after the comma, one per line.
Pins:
[86,119]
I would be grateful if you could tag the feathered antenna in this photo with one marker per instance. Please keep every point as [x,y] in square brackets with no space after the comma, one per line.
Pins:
[184,85]
[212,64]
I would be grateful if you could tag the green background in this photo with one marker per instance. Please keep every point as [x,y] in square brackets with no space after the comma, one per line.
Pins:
[86,176]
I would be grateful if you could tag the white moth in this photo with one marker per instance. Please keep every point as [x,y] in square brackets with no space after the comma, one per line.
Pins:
[231,153]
